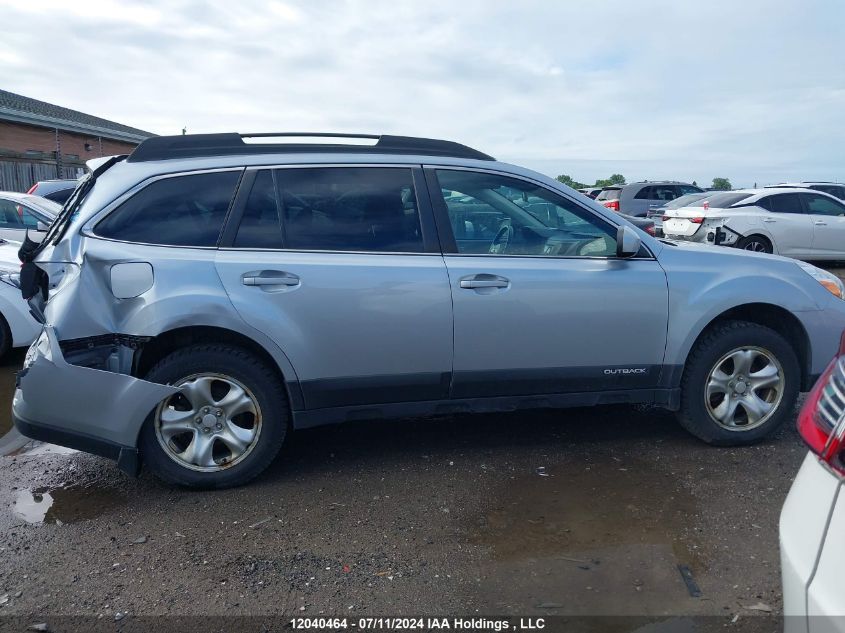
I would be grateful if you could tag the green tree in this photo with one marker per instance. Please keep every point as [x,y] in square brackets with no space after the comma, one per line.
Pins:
[569,182]
[722,184]
[615,179]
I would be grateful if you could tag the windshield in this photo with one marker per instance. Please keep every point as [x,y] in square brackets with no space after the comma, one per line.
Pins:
[688,200]
[724,200]
[43,206]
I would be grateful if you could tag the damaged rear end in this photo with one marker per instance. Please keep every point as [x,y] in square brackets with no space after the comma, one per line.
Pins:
[79,391]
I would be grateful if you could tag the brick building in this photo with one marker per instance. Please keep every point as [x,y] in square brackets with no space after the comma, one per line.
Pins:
[40,141]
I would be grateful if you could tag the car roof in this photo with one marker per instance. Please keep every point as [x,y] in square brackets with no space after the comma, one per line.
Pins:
[41,204]
[805,184]
[234,144]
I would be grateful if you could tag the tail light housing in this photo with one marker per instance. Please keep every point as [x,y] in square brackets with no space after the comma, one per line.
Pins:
[32,188]
[821,422]
[613,205]
[650,230]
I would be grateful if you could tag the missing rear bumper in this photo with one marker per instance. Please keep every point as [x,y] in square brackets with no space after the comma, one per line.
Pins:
[99,409]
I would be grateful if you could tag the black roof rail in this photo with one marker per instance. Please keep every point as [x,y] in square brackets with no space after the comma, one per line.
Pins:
[232,144]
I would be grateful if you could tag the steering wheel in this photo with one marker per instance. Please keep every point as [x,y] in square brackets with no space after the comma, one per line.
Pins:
[503,237]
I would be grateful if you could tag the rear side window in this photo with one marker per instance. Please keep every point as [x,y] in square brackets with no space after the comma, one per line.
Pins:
[645,193]
[176,211]
[784,203]
[370,209]
[663,192]
[724,200]
[260,226]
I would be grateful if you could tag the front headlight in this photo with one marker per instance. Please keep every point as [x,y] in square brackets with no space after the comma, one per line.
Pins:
[831,282]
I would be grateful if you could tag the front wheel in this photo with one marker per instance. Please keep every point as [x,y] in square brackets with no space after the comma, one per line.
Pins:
[740,384]
[226,424]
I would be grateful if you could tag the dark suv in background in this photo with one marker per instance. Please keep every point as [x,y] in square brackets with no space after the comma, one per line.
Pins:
[637,198]
[56,190]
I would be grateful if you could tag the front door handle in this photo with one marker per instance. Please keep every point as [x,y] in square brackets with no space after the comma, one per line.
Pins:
[269,278]
[820,223]
[473,282]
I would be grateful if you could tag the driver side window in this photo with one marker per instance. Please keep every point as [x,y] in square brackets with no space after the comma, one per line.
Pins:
[498,215]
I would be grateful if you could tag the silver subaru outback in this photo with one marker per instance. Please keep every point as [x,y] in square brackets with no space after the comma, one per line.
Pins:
[205,296]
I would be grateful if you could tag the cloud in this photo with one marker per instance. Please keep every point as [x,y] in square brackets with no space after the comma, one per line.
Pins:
[655,85]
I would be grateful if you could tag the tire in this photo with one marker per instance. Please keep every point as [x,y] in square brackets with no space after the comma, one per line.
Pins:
[5,338]
[755,243]
[201,446]
[729,345]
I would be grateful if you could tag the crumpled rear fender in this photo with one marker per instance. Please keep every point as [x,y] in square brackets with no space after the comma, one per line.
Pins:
[99,404]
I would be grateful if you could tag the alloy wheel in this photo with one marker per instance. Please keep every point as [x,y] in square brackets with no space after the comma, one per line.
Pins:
[213,423]
[756,246]
[744,388]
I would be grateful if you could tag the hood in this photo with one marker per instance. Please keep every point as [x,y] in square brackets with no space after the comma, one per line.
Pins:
[722,252]
[9,255]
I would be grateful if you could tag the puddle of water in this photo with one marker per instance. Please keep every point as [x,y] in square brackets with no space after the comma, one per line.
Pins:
[589,530]
[65,505]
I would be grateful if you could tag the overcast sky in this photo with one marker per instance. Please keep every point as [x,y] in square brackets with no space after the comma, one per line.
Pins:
[749,89]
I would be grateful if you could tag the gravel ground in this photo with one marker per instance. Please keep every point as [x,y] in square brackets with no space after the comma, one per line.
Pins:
[414,517]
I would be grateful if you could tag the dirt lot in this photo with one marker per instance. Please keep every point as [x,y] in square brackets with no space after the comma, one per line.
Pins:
[578,512]
[435,517]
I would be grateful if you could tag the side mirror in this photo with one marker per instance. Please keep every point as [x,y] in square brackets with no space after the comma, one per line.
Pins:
[42,227]
[627,242]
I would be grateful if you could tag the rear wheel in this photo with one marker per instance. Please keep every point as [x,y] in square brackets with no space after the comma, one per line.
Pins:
[755,243]
[225,425]
[740,384]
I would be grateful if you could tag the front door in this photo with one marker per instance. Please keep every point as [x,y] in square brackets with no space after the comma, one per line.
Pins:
[542,305]
[336,266]
[828,217]
[785,220]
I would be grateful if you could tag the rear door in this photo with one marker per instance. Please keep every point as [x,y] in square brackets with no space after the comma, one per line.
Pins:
[828,217]
[790,228]
[340,267]
[541,303]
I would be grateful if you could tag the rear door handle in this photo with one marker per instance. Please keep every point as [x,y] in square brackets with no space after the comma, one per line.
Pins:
[769,220]
[484,281]
[820,223]
[269,278]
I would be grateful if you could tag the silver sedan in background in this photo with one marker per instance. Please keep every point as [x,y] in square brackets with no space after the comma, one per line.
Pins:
[20,212]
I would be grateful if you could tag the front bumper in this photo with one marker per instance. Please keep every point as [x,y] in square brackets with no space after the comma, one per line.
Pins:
[93,410]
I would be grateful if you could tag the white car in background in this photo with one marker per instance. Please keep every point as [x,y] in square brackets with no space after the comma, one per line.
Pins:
[812,523]
[17,326]
[800,223]
[21,212]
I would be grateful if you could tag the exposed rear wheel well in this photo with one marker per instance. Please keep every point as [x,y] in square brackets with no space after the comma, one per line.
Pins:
[167,342]
[778,319]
